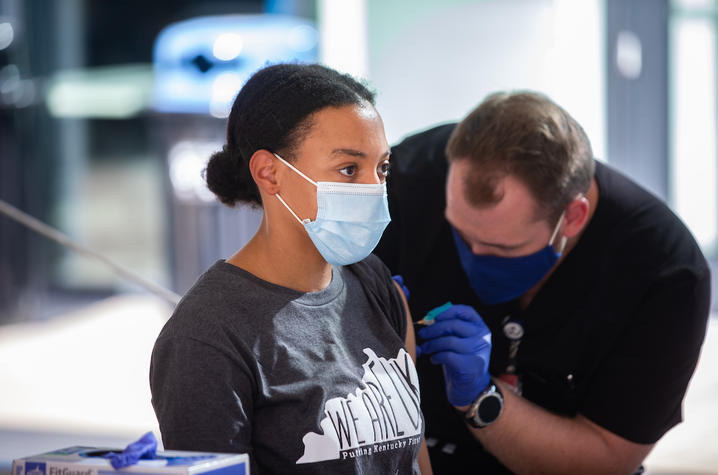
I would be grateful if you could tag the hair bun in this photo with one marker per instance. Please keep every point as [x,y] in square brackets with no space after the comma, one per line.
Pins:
[228,177]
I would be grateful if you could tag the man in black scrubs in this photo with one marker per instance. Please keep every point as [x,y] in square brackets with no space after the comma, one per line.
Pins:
[579,300]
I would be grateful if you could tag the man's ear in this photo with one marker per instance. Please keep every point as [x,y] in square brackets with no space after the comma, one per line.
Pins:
[575,217]
[263,167]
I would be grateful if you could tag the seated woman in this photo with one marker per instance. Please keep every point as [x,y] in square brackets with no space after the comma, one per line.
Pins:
[298,349]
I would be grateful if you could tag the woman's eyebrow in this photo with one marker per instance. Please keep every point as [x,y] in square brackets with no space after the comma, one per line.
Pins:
[355,153]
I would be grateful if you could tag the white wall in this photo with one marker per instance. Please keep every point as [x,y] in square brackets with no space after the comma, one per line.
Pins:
[432,61]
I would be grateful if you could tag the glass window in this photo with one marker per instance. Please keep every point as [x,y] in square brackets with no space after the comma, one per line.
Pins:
[693,160]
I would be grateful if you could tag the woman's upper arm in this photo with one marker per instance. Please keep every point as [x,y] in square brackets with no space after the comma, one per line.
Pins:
[202,397]
[410,338]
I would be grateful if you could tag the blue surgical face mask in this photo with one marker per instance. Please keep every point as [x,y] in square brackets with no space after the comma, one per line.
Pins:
[350,218]
[498,279]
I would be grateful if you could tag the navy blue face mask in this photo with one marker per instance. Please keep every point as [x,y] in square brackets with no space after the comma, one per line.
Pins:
[498,279]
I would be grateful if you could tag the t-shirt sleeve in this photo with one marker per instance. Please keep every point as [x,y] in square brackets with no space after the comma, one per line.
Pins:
[638,389]
[376,280]
[202,397]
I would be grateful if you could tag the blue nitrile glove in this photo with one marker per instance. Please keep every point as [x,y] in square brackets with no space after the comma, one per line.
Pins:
[400,280]
[143,448]
[461,342]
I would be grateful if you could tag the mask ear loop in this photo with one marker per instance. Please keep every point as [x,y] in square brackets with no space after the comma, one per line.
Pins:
[293,168]
[555,233]
[290,210]
[282,200]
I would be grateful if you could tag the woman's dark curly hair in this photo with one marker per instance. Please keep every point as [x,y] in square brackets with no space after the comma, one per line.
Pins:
[273,112]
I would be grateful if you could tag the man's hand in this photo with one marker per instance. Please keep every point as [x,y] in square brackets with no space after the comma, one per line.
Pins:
[461,342]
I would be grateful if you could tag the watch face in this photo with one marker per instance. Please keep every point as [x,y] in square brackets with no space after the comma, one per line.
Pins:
[489,408]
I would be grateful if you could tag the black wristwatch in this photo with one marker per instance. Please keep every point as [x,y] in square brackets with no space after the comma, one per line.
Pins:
[486,408]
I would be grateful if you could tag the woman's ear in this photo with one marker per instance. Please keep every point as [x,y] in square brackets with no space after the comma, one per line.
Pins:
[576,215]
[263,167]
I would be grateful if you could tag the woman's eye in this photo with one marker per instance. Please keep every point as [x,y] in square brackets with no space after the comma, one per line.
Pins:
[348,171]
[384,169]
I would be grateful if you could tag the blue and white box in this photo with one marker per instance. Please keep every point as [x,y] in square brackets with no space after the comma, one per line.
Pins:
[89,461]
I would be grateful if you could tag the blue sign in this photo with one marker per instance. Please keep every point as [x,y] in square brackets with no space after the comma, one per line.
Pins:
[34,468]
[200,64]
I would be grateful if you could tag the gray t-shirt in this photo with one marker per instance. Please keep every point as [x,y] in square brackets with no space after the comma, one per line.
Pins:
[304,382]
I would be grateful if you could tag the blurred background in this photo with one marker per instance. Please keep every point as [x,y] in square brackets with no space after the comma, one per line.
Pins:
[110,110]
